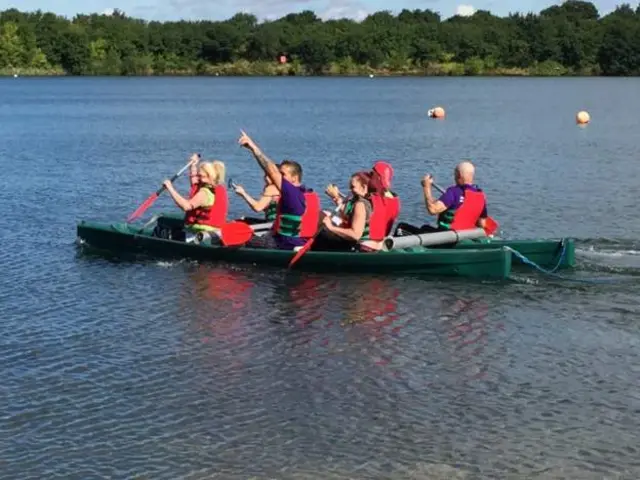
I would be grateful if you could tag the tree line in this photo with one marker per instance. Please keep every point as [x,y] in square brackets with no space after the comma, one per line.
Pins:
[567,39]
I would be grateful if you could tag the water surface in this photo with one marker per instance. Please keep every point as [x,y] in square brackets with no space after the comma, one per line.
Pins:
[118,369]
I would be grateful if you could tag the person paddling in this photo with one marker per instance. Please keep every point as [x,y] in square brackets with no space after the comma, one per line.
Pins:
[461,206]
[267,203]
[350,230]
[207,205]
[298,211]
[379,186]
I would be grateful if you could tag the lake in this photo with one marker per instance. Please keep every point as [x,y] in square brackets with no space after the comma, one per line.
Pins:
[153,369]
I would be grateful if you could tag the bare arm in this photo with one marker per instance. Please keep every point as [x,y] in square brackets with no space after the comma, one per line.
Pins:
[337,198]
[256,205]
[198,200]
[355,231]
[193,170]
[434,207]
[265,162]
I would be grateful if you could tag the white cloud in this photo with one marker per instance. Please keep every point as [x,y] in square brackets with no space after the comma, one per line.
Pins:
[465,10]
[108,11]
[344,9]
[263,9]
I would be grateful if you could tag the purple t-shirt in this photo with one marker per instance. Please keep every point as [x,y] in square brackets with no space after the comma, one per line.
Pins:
[454,196]
[292,202]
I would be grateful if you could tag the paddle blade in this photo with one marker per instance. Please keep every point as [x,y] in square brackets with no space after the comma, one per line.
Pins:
[301,252]
[235,233]
[142,208]
[490,226]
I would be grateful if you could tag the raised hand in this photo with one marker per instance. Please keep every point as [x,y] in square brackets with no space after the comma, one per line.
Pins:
[246,141]
[427,180]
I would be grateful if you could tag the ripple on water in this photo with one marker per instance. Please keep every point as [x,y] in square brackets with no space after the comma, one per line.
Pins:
[152,369]
[323,371]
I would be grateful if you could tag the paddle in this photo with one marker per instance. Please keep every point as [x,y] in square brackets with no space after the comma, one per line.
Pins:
[152,198]
[307,245]
[490,226]
[235,233]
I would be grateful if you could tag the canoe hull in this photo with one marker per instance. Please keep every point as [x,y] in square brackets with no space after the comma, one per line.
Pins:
[484,263]
[547,253]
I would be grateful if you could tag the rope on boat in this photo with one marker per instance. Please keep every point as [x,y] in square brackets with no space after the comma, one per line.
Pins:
[552,273]
[538,267]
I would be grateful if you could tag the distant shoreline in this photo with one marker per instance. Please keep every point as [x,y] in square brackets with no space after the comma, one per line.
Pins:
[267,69]
[568,40]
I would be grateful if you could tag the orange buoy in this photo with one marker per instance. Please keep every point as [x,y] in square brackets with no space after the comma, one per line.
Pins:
[437,112]
[582,118]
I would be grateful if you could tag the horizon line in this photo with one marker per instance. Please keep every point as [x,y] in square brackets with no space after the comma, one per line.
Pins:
[395,12]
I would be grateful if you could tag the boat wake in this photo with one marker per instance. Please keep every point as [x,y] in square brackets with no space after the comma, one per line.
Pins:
[171,264]
[619,256]
[599,261]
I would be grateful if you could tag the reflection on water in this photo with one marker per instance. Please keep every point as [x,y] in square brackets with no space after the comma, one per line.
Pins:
[467,337]
[317,315]
[142,369]
[219,300]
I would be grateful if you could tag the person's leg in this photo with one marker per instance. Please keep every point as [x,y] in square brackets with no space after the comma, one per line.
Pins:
[262,241]
[328,242]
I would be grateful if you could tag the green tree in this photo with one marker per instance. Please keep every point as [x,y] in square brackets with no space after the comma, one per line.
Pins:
[570,37]
[12,51]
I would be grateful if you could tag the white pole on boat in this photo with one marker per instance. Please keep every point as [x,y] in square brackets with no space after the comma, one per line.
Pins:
[432,238]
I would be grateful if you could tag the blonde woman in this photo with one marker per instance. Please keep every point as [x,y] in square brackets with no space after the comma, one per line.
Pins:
[207,206]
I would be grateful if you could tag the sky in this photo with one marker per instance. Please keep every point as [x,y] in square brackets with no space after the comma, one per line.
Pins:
[164,10]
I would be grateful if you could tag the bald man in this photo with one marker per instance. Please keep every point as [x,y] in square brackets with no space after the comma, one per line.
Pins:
[449,202]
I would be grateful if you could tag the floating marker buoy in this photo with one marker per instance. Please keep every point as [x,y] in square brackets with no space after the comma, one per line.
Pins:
[582,118]
[437,112]
[371,75]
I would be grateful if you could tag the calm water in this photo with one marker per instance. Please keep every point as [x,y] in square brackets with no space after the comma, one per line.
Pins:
[120,369]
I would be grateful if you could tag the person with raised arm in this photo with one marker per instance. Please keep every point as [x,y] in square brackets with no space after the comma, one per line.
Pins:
[298,210]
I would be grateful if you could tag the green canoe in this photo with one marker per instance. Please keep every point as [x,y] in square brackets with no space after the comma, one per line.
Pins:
[547,253]
[494,262]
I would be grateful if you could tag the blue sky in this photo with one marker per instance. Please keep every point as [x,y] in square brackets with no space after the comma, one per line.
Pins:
[266,9]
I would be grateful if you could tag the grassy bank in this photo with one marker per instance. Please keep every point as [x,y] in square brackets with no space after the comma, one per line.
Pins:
[473,67]
[31,72]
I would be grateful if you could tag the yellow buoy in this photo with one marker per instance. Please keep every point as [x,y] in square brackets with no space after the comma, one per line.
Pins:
[437,112]
[582,118]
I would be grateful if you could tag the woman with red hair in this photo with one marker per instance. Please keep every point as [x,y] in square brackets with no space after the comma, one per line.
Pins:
[350,231]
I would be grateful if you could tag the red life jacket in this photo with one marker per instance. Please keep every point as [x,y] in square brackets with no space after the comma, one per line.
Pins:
[379,220]
[467,215]
[304,226]
[393,211]
[215,216]
[384,214]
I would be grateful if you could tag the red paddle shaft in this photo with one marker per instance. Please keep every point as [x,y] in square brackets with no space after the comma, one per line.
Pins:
[152,198]
[307,245]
